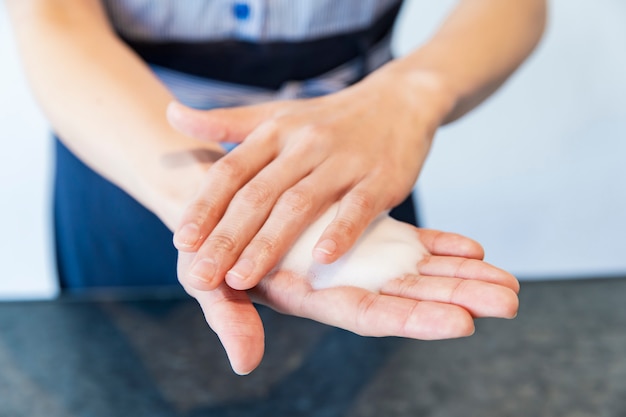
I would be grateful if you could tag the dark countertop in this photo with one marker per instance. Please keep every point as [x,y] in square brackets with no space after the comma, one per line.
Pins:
[565,355]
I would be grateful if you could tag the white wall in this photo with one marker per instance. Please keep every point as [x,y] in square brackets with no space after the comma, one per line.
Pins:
[25,249]
[535,174]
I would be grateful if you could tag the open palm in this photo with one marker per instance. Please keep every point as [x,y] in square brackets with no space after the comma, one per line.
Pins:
[452,287]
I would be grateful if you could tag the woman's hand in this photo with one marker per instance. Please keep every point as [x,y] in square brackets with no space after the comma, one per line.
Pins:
[452,286]
[362,147]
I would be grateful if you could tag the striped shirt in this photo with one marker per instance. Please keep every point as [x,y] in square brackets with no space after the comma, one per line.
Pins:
[220,53]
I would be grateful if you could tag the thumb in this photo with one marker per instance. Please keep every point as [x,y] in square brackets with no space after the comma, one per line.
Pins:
[217,125]
[231,315]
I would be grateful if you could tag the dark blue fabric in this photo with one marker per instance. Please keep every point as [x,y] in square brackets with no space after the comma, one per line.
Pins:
[104,238]
[406,212]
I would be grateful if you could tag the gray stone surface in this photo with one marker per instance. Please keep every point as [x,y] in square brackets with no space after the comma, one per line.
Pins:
[565,355]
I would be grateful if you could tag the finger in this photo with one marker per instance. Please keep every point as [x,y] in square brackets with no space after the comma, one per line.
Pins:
[247,216]
[219,186]
[364,312]
[370,314]
[248,211]
[269,225]
[220,125]
[356,211]
[452,244]
[481,299]
[236,322]
[295,211]
[472,269]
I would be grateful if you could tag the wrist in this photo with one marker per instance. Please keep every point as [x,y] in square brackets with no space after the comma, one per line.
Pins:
[173,175]
[425,92]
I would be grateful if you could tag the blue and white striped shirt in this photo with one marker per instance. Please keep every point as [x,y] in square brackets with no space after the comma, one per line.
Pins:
[256,20]
[219,25]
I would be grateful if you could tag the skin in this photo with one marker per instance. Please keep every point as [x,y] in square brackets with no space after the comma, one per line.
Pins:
[452,288]
[109,109]
[362,147]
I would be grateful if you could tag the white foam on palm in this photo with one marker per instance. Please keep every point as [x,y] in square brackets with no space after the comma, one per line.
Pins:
[387,249]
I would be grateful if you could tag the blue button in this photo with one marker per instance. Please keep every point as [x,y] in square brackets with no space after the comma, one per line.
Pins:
[241,11]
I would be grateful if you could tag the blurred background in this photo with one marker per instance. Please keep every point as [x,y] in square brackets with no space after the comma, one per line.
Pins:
[536,174]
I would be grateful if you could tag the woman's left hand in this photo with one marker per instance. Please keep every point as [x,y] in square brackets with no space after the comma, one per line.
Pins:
[451,287]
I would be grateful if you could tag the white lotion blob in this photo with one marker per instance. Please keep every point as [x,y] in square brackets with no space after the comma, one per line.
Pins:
[387,249]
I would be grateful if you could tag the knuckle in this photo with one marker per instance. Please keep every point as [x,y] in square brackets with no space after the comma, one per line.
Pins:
[314,140]
[271,125]
[264,246]
[228,167]
[257,194]
[222,243]
[344,228]
[268,129]
[363,201]
[314,131]
[200,211]
[298,202]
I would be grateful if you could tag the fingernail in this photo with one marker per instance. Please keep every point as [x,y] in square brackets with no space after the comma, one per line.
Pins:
[327,247]
[240,373]
[188,235]
[203,270]
[242,270]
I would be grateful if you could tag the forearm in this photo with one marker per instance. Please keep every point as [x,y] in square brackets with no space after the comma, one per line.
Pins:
[102,100]
[475,50]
